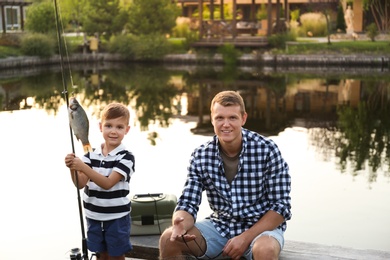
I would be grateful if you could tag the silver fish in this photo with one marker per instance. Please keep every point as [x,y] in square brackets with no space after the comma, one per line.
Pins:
[79,123]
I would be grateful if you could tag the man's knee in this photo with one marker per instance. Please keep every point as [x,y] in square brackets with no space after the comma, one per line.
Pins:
[165,240]
[266,247]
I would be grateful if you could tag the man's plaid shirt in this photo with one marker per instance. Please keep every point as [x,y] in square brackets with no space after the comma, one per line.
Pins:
[262,183]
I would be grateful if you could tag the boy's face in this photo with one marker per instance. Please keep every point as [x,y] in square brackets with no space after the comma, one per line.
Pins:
[114,130]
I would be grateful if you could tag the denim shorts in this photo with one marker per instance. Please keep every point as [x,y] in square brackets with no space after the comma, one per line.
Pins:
[111,236]
[215,242]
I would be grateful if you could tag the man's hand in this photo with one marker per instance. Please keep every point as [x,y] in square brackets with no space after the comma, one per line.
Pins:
[179,232]
[235,247]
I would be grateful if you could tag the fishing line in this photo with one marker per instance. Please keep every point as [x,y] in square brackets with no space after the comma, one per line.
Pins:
[65,92]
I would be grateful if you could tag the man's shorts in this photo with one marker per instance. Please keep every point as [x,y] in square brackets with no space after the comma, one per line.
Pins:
[215,242]
[111,236]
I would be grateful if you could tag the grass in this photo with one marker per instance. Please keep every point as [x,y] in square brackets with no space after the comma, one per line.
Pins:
[342,47]
[7,51]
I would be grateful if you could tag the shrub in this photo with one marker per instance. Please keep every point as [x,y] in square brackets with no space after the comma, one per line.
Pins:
[37,44]
[151,47]
[229,54]
[314,24]
[10,40]
[372,31]
[279,40]
[340,21]
[123,44]
[183,30]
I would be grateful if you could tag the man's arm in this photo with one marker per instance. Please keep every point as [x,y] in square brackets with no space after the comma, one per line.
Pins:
[182,221]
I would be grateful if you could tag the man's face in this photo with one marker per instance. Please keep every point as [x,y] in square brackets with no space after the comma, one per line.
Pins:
[227,122]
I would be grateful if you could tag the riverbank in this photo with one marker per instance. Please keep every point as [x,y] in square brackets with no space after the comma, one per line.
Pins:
[253,59]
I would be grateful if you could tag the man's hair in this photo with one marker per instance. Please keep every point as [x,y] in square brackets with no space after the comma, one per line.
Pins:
[115,110]
[228,98]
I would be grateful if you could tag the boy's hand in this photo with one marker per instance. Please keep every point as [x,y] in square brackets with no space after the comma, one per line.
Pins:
[69,160]
[77,164]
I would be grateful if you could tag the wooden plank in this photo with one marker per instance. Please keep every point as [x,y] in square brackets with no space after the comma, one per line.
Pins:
[146,247]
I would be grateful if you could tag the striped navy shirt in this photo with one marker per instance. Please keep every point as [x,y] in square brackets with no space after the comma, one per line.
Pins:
[101,204]
[262,183]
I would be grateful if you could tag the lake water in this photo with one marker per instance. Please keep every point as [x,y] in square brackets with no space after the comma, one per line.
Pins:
[340,193]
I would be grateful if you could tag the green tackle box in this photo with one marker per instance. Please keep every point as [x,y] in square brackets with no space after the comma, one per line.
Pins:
[151,214]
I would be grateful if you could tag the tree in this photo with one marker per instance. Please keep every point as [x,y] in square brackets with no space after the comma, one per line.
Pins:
[41,18]
[104,17]
[73,11]
[340,23]
[152,16]
[325,7]
[380,10]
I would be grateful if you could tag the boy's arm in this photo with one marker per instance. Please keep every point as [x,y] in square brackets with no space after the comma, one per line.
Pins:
[82,179]
[100,180]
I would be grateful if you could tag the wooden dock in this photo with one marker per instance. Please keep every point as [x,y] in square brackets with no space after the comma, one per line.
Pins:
[146,247]
[238,42]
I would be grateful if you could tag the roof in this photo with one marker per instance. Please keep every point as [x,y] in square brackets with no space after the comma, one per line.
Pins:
[14,2]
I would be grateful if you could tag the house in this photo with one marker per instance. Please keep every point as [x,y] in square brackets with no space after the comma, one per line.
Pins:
[215,23]
[12,15]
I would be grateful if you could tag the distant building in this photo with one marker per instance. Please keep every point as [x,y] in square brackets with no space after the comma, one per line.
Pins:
[248,10]
[12,15]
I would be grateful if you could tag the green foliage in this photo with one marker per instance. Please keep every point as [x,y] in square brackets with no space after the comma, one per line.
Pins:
[8,51]
[313,24]
[178,45]
[151,47]
[279,40]
[72,12]
[229,54]
[261,12]
[340,22]
[342,47]
[41,18]
[143,47]
[123,44]
[372,31]
[105,18]
[295,14]
[37,44]
[183,30]
[152,17]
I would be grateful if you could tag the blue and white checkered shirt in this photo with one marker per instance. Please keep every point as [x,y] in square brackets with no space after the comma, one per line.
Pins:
[262,183]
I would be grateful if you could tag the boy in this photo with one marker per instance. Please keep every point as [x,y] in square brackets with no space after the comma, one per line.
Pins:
[105,175]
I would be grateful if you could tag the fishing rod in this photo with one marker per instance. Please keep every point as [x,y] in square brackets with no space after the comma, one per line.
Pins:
[75,254]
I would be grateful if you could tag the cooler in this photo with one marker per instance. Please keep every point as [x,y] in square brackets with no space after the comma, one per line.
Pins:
[151,214]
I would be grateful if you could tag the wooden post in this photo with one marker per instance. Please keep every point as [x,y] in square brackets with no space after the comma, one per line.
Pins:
[269,11]
[234,19]
[222,13]
[3,19]
[211,10]
[200,19]
[21,18]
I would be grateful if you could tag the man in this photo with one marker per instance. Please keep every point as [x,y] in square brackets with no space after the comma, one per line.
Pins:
[248,189]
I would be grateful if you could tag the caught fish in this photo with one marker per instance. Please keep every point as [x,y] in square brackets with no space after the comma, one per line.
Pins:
[79,123]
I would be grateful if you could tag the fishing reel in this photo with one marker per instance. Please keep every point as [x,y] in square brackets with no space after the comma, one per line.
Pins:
[76,254]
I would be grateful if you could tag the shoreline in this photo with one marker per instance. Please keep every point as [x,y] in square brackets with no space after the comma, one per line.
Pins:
[279,60]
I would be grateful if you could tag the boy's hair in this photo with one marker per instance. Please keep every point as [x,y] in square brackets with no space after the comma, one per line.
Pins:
[228,98]
[115,110]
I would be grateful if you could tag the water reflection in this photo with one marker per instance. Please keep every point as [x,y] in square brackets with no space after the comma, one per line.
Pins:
[346,115]
[319,121]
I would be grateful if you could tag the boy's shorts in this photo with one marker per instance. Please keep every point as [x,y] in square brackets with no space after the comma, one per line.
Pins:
[111,236]
[215,242]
